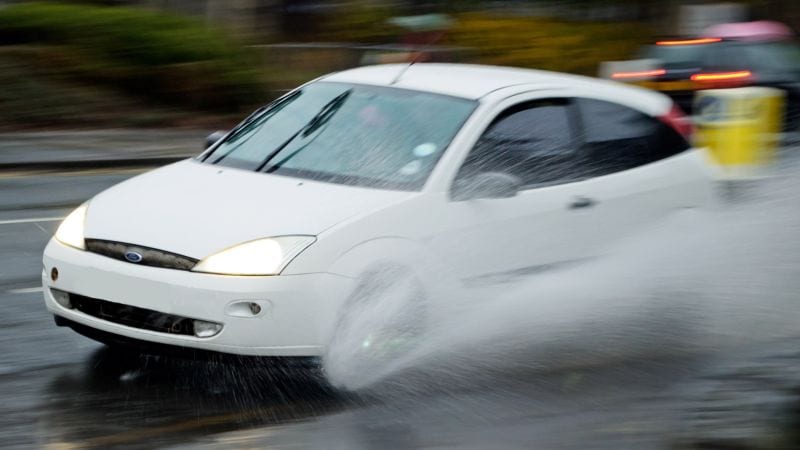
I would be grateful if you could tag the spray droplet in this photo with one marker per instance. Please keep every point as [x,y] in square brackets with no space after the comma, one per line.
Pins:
[423,150]
[411,168]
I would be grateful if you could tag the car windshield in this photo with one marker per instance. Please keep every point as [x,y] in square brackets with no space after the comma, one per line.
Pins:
[675,56]
[350,134]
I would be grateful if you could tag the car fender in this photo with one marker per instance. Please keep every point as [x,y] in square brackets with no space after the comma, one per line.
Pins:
[438,281]
[376,254]
[395,252]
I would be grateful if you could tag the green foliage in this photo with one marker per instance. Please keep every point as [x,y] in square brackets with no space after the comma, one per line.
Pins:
[172,58]
[575,47]
[506,40]
[30,98]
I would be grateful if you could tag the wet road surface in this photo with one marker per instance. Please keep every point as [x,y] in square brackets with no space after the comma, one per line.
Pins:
[62,391]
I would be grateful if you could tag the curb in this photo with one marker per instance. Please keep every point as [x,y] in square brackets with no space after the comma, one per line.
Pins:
[89,164]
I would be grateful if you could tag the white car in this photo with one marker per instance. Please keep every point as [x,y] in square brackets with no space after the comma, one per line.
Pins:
[439,175]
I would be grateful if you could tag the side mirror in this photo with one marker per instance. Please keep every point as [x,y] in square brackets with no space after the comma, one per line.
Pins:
[486,185]
[214,137]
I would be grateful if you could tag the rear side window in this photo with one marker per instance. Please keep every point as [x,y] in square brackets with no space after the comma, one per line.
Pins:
[533,141]
[615,137]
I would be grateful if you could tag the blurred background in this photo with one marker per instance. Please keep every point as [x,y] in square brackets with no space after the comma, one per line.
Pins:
[197,63]
[95,92]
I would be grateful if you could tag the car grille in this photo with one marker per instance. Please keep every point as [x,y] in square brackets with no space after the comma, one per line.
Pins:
[145,319]
[150,256]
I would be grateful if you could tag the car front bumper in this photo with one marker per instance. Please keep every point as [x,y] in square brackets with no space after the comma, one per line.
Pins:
[297,313]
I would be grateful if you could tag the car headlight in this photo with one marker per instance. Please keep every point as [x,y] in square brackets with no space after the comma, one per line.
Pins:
[260,257]
[70,232]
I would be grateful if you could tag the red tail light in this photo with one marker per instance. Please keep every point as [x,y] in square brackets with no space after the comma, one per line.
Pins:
[678,121]
[722,80]
[640,74]
[741,75]
[690,41]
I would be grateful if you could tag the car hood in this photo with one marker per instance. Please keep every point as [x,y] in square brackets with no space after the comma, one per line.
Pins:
[196,209]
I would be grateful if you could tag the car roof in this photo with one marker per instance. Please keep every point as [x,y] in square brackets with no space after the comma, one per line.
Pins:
[466,80]
[761,30]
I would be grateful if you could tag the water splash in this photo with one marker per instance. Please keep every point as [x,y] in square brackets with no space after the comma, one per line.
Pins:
[698,281]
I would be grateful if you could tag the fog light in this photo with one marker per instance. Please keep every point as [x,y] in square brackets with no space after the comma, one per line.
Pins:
[61,297]
[205,329]
[247,308]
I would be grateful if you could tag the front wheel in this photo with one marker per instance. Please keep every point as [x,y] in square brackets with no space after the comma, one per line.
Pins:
[378,328]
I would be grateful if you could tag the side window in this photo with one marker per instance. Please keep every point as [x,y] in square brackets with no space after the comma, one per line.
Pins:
[532,141]
[615,137]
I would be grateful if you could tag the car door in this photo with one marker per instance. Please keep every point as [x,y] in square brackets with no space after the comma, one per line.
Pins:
[546,223]
[638,171]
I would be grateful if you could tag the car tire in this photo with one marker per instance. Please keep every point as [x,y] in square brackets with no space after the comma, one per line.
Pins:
[380,324]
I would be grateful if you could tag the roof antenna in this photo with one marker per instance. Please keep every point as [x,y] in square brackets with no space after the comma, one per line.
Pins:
[417,56]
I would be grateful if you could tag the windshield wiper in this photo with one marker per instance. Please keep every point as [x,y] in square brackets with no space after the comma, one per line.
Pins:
[261,113]
[257,117]
[319,119]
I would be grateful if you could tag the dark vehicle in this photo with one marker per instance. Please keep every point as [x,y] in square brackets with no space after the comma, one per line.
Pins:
[734,55]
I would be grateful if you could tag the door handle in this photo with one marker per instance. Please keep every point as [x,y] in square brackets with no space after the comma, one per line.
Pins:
[581,202]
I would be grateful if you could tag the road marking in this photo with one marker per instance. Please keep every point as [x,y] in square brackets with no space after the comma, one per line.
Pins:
[70,172]
[40,219]
[30,290]
[43,230]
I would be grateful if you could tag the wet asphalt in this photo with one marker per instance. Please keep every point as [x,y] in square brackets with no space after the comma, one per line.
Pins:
[60,390]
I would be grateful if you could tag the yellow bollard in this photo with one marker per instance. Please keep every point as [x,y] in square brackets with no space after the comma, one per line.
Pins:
[741,128]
